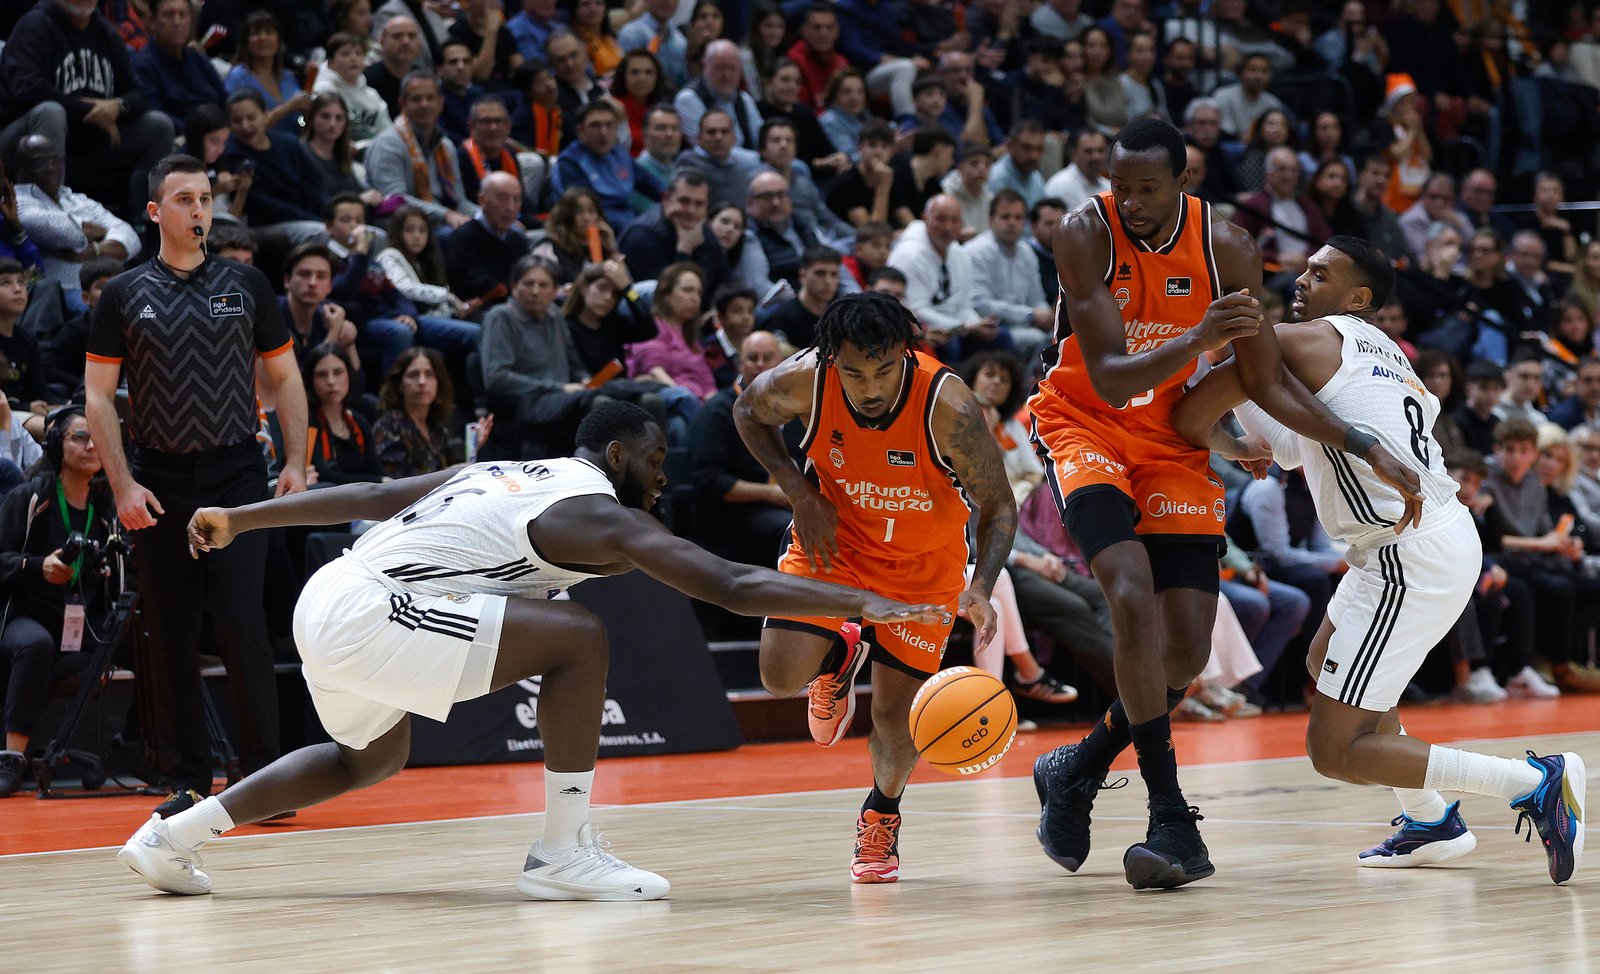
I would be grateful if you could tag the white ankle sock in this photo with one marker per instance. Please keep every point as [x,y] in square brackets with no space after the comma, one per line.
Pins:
[205,821]
[1481,774]
[566,808]
[1421,804]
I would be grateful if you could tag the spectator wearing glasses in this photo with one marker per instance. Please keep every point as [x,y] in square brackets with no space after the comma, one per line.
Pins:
[938,274]
[1436,205]
[781,239]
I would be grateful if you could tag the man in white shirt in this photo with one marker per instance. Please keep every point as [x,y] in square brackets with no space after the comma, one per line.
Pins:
[69,227]
[1085,177]
[1005,276]
[968,182]
[939,282]
[1248,99]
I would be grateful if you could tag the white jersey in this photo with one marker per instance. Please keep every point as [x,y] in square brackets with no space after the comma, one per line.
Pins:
[470,534]
[1376,390]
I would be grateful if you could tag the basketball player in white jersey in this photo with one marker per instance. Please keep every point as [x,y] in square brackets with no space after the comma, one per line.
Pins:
[449,599]
[1402,592]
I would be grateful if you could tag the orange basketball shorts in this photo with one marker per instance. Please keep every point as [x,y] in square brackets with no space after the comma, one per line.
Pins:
[914,648]
[1174,493]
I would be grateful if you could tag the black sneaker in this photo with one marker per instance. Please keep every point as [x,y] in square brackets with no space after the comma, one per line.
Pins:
[1172,852]
[179,801]
[13,768]
[1066,796]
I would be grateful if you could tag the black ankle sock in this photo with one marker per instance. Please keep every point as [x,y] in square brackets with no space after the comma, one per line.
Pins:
[1108,739]
[878,802]
[1158,762]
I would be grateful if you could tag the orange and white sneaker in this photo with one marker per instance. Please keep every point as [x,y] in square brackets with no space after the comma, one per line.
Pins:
[877,857]
[833,695]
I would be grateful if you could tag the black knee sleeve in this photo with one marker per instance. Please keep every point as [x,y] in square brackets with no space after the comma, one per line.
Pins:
[1186,564]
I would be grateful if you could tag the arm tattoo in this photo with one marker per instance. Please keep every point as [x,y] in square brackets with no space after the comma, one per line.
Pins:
[975,455]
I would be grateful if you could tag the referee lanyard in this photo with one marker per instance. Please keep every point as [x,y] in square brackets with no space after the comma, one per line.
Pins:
[66,519]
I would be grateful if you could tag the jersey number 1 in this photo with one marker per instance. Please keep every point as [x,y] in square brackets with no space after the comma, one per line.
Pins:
[888,530]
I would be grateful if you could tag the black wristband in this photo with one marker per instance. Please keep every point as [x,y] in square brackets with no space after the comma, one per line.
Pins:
[1358,441]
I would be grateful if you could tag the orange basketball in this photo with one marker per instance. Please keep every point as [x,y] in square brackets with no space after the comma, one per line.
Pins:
[963,720]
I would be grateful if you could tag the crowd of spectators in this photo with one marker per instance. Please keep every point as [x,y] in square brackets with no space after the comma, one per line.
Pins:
[518,208]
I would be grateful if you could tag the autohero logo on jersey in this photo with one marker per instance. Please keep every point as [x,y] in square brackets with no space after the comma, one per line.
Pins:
[875,497]
[227,305]
[1160,505]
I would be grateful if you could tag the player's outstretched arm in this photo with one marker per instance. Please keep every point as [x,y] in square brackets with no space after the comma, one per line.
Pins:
[216,527]
[961,433]
[1198,419]
[772,400]
[594,529]
[1274,388]
[1081,258]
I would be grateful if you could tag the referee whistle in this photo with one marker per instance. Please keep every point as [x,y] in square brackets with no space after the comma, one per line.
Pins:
[198,232]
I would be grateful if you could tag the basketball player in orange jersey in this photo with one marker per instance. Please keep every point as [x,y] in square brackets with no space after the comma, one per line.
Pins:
[900,454]
[1150,280]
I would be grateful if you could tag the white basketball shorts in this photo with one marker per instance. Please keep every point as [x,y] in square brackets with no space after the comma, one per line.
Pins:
[1394,605]
[373,652]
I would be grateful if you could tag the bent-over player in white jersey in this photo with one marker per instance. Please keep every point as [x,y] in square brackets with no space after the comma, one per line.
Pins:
[449,599]
[1403,591]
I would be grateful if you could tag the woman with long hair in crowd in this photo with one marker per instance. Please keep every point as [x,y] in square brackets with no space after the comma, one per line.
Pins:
[343,449]
[590,22]
[639,84]
[1102,87]
[355,17]
[258,64]
[566,240]
[673,357]
[1329,191]
[411,434]
[326,140]
[781,99]
[705,25]
[1441,373]
[206,133]
[1326,145]
[603,318]
[1273,129]
[414,264]
[765,45]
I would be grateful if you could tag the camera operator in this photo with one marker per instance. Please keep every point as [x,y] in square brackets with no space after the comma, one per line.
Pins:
[53,532]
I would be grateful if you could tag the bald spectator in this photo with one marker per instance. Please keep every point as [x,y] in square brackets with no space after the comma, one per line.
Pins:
[69,227]
[401,45]
[718,87]
[597,162]
[939,283]
[653,31]
[1287,226]
[744,514]
[415,159]
[726,167]
[480,254]
[1436,205]
[1086,175]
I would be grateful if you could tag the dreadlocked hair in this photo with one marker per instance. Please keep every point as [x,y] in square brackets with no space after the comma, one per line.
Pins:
[871,321]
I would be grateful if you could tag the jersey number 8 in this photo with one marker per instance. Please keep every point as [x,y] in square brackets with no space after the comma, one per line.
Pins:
[1419,434]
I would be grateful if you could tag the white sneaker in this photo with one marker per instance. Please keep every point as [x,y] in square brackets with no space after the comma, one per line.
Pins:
[588,872]
[1529,685]
[163,863]
[1479,688]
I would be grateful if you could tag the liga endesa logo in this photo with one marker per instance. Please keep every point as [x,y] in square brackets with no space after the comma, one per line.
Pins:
[875,497]
[1160,505]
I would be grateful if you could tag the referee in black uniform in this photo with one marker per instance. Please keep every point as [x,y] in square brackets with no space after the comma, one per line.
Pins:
[189,327]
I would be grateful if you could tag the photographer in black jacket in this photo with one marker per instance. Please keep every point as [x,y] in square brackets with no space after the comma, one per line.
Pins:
[56,594]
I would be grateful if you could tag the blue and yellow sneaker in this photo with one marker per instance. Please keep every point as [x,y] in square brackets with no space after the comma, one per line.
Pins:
[1422,843]
[1555,808]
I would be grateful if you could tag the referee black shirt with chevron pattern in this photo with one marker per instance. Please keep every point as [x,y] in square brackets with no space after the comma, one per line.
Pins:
[188,347]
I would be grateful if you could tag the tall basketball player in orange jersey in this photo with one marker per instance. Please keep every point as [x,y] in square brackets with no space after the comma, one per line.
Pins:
[1150,280]
[901,455]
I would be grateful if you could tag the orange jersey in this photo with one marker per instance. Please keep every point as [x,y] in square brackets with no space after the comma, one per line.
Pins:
[1162,291]
[896,497]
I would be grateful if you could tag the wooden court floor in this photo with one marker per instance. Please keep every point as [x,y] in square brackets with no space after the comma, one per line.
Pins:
[760,877]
